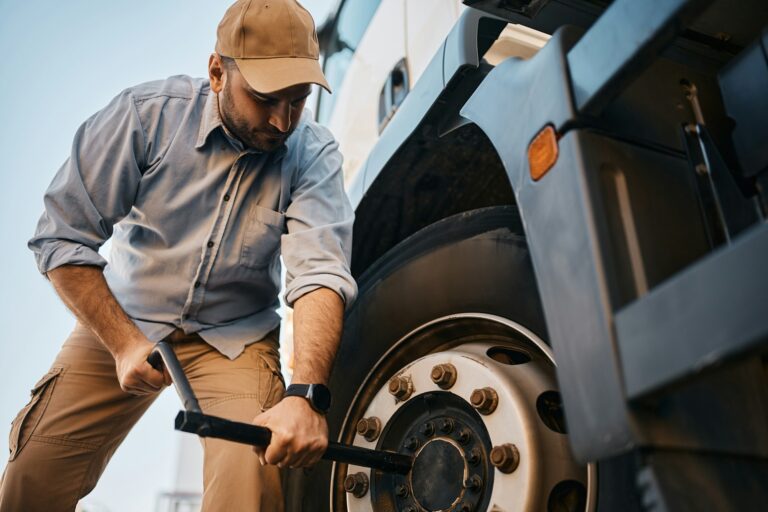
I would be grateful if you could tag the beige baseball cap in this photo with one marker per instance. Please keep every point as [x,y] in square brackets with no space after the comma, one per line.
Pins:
[273,42]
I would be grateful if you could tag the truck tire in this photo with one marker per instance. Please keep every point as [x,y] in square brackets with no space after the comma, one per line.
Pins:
[461,290]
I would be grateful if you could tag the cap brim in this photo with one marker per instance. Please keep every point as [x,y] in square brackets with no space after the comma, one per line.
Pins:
[274,74]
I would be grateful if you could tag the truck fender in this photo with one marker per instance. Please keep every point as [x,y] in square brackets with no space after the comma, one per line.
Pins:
[469,39]
[513,103]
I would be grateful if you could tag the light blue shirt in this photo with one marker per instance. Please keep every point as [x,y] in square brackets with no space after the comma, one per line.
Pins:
[197,221]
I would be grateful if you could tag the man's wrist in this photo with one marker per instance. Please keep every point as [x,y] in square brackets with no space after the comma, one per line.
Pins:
[120,346]
[302,403]
[318,396]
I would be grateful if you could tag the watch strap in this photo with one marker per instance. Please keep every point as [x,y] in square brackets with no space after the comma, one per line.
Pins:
[317,395]
[297,390]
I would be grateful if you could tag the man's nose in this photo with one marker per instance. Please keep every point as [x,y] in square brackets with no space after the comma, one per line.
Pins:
[281,116]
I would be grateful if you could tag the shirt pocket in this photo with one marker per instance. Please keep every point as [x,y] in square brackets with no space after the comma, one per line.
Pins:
[261,238]
[23,426]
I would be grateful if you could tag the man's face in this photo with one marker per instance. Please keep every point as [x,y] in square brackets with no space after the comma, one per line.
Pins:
[259,120]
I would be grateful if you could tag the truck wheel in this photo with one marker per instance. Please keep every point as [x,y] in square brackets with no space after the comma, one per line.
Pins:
[443,357]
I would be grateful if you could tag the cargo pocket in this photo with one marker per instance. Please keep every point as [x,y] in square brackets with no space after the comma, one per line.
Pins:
[261,239]
[271,382]
[26,421]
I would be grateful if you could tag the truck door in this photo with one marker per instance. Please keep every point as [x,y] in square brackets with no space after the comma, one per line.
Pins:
[428,22]
[367,42]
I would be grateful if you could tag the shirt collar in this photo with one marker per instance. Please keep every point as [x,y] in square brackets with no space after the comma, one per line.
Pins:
[211,119]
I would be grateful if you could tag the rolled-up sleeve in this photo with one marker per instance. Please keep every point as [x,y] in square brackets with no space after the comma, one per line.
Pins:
[93,190]
[318,245]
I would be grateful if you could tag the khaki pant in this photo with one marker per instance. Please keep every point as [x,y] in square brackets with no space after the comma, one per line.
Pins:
[61,441]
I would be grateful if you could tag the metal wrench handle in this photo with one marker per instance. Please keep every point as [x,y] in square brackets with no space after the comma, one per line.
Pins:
[212,426]
[192,420]
[163,355]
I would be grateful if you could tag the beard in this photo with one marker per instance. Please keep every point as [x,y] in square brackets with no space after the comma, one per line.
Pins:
[262,139]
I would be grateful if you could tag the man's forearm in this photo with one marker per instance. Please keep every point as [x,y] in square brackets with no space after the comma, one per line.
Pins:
[86,293]
[318,319]
[299,433]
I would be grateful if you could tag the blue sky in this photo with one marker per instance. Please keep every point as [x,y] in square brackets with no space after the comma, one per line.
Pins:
[62,62]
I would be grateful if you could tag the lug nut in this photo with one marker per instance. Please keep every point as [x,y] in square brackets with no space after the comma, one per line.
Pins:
[474,456]
[473,483]
[369,428]
[402,491]
[464,436]
[484,400]
[412,444]
[356,484]
[401,387]
[444,375]
[505,457]
[446,425]
[427,429]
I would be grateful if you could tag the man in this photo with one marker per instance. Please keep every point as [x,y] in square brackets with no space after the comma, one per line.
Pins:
[200,184]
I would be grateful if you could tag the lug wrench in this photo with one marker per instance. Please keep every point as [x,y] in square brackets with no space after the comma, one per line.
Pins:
[193,420]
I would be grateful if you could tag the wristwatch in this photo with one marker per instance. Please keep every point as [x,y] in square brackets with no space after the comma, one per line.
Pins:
[318,395]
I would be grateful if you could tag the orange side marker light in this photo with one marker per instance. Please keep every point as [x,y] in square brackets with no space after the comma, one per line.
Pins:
[542,152]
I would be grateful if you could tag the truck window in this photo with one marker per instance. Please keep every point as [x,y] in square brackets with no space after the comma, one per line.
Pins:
[352,21]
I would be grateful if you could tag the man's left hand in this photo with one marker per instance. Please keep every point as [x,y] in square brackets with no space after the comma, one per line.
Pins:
[299,434]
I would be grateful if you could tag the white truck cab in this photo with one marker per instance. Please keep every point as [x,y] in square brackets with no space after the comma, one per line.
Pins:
[376,49]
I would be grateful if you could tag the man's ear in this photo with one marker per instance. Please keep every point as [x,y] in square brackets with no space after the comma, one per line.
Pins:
[216,73]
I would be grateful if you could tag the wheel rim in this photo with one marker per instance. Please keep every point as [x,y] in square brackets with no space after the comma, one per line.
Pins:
[507,448]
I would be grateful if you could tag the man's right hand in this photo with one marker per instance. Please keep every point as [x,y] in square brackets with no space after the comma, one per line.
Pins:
[84,290]
[135,374]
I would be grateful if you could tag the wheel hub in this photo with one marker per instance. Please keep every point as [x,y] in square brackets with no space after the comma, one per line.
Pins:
[483,422]
[438,475]
[451,446]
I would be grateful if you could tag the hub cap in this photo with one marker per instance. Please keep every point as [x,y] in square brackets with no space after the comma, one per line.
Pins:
[451,448]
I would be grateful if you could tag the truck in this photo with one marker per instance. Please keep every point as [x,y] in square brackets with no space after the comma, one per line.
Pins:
[561,249]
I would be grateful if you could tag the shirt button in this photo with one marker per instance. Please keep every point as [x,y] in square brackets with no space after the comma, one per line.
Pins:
[197,284]
[210,244]
[226,197]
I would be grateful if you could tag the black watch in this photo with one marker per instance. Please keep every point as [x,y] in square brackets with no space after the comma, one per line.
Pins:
[318,395]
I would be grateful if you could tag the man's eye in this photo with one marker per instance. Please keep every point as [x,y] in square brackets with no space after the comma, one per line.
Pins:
[264,101]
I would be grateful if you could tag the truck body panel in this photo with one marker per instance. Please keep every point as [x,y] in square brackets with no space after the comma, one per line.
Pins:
[647,235]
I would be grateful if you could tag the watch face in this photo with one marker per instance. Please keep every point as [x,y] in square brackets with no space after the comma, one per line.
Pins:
[321,397]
